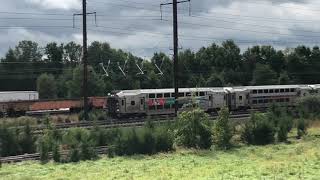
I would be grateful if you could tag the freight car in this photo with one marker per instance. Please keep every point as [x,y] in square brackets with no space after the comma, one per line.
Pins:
[161,101]
[20,108]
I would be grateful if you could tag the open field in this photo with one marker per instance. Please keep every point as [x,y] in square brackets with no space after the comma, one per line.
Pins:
[299,159]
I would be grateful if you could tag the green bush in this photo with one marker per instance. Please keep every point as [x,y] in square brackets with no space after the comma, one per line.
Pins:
[258,130]
[222,132]
[27,141]
[44,148]
[56,153]
[309,107]
[9,142]
[193,130]
[301,128]
[164,139]
[80,144]
[94,115]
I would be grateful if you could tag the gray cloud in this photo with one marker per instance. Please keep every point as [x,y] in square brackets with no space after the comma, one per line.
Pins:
[137,27]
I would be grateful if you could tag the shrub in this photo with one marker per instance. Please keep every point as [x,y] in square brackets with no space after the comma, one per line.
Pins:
[9,142]
[44,148]
[258,130]
[283,129]
[148,142]
[94,115]
[309,106]
[193,130]
[26,140]
[56,153]
[164,139]
[301,128]
[222,132]
[80,144]
[127,143]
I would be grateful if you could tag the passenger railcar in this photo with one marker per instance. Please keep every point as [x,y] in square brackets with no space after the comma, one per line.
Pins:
[161,101]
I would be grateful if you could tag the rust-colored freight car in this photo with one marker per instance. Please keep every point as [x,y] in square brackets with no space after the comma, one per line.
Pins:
[19,108]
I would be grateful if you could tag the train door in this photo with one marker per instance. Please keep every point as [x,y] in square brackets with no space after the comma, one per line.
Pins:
[231,101]
[142,104]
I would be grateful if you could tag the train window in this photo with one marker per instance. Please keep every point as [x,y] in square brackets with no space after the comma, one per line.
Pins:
[271,90]
[197,93]
[152,95]
[173,95]
[287,90]
[188,94]
[292,90]
[281,100]
[277,90]
[167,106]
[260,91]
[254,91]
[202,94]
[210,98]
[166,95]
[181,94]
[122,102]
[159,107]
[266,91]
[260,101]
[287,100]
[141,101]
[240,98]
[133,103]
[254,101]
[159,95]
[281,90]
[270,100]
[265,101]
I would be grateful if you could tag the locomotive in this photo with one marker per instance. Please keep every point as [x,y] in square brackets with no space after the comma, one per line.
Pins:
[145,102]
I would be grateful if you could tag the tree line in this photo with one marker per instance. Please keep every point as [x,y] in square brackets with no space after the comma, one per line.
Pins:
[55,70]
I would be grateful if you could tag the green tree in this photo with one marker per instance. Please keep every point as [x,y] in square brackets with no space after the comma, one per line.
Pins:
[264,75]
[46,86]
[222,132]
[95,83]
[193,130]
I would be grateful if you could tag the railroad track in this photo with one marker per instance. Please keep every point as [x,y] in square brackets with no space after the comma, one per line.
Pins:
[36,156]
[114,123]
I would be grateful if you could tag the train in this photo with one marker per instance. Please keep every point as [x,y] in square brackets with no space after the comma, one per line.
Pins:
[17,107]
[148,102]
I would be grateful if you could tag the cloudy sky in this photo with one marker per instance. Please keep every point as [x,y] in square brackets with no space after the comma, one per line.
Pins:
[135,25]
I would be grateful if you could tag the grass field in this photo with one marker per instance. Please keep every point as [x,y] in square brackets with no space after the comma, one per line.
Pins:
[299,159]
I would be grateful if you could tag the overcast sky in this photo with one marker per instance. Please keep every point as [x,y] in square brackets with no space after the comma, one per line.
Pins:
[135,25]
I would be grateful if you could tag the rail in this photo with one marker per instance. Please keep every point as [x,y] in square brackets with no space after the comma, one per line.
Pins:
[36,156]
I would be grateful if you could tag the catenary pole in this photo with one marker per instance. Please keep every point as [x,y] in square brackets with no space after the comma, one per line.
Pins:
[175,55]
[85,60]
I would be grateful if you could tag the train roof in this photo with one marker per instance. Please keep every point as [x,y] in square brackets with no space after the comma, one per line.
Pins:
[214,89]
[148,91]
[11,92]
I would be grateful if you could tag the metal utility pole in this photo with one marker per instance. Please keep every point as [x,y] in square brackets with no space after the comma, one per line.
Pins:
[175,55]
[85,54]
[175,49]
[85,60]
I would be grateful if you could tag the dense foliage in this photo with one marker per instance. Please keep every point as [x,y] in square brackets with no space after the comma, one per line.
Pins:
[193,130]
[222,132]
[215,65]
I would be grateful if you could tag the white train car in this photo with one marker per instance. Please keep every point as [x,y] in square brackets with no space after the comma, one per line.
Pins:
[10,96]
[157,101]
[161,101]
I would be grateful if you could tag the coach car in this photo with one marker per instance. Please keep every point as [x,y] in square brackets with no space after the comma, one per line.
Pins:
[161,101]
